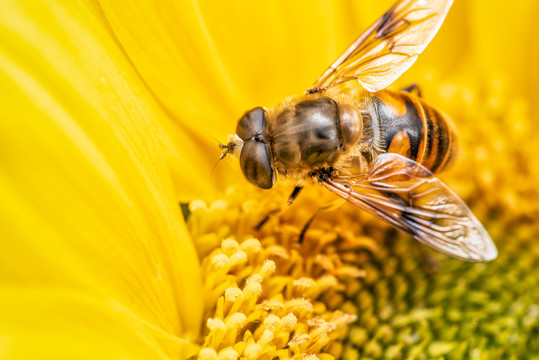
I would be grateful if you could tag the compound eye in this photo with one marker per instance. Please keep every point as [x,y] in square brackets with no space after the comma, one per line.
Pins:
[255,163]
[251,124]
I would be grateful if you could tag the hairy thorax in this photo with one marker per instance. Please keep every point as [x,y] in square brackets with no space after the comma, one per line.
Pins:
[313,131]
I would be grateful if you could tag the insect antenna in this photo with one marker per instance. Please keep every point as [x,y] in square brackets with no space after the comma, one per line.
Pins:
[214,138]
[227,151]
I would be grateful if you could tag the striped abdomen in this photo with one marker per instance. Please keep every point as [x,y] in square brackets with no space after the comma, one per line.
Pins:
[404,124]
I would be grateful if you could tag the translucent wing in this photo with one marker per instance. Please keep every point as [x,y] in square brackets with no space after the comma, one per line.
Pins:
[389,47]
[406,195]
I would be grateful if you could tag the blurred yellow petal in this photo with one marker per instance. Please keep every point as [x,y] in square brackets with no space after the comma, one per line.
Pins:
[208,62]
[88,203]
[56,323]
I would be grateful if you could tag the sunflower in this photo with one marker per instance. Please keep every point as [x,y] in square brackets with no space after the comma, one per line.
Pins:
[109,110]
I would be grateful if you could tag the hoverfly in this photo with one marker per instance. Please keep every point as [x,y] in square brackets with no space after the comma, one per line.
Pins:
[374,147]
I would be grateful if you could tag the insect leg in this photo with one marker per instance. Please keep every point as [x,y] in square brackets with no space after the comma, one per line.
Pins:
[294,194]
[266,218]
[413,89]
[330,206]
[306,226]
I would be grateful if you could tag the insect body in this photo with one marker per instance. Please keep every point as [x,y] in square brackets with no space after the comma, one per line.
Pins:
[404,124]
[374,147]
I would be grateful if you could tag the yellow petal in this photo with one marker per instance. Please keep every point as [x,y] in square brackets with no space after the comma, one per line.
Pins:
[87,200]
[210,62]
[63,324]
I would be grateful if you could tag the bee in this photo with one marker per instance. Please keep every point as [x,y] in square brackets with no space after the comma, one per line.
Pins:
[379,149]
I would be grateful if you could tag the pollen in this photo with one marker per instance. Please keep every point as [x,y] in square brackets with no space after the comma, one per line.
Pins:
[264,297]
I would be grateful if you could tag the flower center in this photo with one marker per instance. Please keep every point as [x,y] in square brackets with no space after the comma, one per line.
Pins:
[267,295]
[354,287]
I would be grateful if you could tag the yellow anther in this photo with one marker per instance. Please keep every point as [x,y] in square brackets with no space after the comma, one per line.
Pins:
[317,322]
[299,340]
[229,246]
[214,324]
[325,356]
[252,289]
[255,278]
[267,269]
[220,261]
[301,305]
[278,251]
[238,258]
[328,281]
[250,246]
[239,347]
[283,354]
[289,322]
[218,205]
[266,337]
[304,283]
[235,320]
[252,351]
[272,305]
[271,322]
[233,293]
[343,319]
[326,262]
[207,354]
[197,205]
[321,332]
[350,272]
[228,354]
